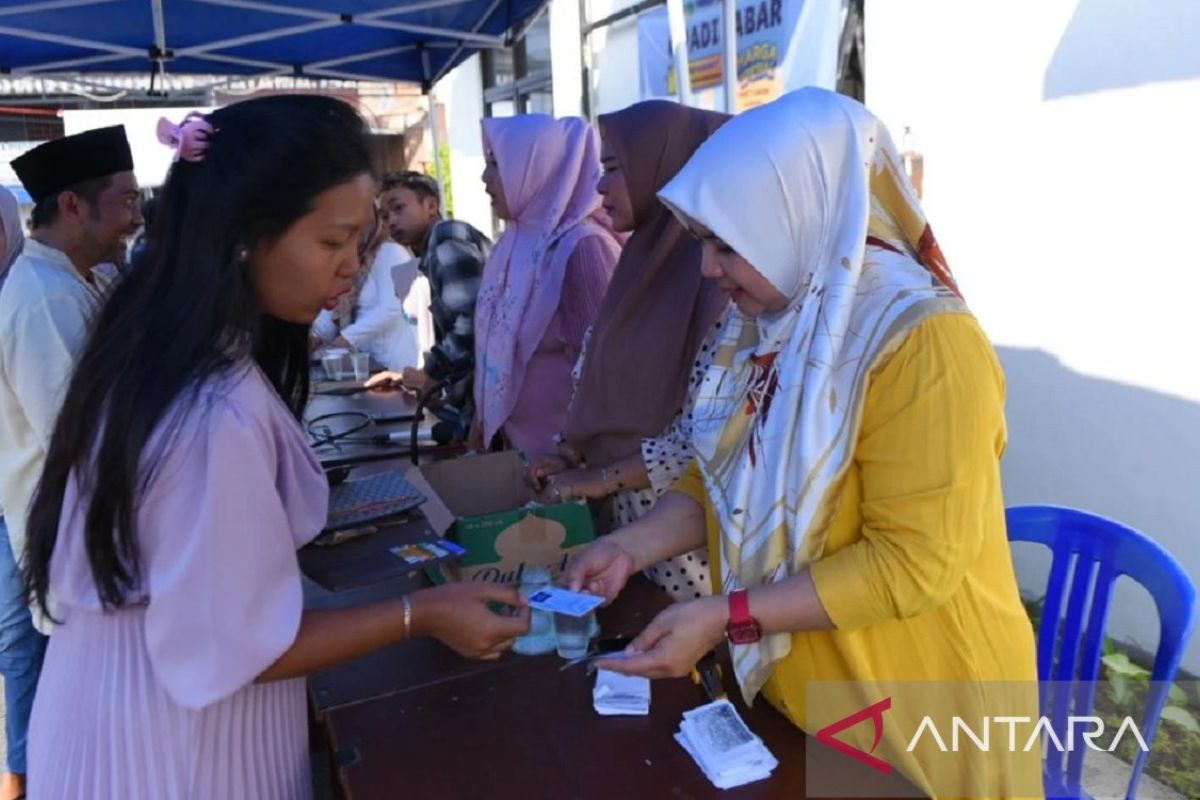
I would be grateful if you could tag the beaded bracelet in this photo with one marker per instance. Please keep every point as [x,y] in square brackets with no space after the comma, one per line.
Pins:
[616,474]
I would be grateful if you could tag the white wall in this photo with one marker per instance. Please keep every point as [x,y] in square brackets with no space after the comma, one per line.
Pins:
[565,61]
[1060,180]
[461,92]
[9,151]
[151,159]
[614,79]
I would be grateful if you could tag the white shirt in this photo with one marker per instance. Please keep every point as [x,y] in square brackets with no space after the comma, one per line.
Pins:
[413,290]
[417,301]
[380,325]
[45,310]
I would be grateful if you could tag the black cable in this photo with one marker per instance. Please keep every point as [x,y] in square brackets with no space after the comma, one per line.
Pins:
[320,439]
[422,403]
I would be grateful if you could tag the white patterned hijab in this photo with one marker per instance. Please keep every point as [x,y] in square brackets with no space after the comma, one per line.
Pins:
[809,189]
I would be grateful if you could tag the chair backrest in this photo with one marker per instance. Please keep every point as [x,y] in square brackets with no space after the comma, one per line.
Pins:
[1091,552]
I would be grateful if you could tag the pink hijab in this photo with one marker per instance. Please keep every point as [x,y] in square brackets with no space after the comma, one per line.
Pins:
[548,170]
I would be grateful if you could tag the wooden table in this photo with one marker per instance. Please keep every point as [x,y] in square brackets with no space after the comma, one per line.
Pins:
[418,721]
[408,666]
[366,560]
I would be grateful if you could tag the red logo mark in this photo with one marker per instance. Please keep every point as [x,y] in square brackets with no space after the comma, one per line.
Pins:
[875,714]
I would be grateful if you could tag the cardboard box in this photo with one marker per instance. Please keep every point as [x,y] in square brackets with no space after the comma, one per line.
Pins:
[482,503]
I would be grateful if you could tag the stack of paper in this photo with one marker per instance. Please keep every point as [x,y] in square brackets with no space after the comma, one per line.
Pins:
[617,694]
[719,741]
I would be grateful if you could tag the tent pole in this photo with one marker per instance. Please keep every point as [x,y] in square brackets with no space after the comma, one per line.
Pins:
[677,25]
[437,151]
[729,14]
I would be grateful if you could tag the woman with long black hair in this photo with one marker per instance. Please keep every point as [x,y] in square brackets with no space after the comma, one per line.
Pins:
[178,483]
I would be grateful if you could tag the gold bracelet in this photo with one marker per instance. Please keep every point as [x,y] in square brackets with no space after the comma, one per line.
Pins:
[407,616]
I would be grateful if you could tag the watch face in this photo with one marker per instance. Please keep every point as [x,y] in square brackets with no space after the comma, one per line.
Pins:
[746,632]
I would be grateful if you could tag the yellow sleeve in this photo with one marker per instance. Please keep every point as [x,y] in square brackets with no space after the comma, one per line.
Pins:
[691,483]
[928,455]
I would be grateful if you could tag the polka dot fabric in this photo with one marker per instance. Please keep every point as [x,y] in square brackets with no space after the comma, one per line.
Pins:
[667,457]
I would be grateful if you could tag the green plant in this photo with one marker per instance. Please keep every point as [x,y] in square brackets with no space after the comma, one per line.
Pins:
[1182,717]
[1124,675]
[1121,673]
[1175,752]
[447,186]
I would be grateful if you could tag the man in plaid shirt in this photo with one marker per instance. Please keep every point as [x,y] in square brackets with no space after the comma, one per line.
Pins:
[452,256]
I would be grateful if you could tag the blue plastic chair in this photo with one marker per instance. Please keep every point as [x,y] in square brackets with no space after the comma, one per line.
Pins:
[1099,551]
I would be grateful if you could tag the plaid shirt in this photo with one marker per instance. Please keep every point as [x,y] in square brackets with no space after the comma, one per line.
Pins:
[453,262]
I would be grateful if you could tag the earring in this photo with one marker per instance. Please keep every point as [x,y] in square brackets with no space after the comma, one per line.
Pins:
[243,254]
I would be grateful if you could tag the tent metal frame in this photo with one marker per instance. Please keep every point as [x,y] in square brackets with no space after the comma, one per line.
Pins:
[296,21]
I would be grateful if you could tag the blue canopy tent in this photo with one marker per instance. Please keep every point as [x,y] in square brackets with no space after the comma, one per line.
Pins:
[417,41]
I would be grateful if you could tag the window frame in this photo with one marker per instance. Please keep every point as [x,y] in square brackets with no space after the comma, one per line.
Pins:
[524,83]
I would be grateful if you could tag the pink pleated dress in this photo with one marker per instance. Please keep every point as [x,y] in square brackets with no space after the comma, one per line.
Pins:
[157,700]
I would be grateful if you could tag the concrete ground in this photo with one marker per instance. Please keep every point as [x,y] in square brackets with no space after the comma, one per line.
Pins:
[1106,777]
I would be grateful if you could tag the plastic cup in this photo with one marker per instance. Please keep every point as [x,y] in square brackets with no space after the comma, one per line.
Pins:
[572,635]
[332,364]
[360,363]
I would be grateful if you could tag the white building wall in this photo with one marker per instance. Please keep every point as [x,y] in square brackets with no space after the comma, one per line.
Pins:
[615,86]
[461,92]
[1060,180]
[614,61]
[565,60]
[151,158]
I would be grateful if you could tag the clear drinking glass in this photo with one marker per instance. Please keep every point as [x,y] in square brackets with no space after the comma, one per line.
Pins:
[332,364]
[540,638]
[572,635]
[361,364]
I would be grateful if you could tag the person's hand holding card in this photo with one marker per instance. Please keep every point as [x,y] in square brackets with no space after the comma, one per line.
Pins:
[675,640]
[458,614]
[602,568]
[561,601]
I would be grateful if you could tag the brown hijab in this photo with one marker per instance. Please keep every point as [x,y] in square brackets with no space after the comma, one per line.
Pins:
[658,307]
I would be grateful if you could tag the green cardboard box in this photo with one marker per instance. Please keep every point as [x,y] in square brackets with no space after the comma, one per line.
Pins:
[482,503]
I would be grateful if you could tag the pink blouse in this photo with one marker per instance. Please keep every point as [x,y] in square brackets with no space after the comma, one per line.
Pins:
[541,408]
[166,683]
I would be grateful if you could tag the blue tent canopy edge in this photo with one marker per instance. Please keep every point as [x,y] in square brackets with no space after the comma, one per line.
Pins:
[418,41]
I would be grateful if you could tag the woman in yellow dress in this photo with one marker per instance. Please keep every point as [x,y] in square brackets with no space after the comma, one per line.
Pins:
[848,433]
